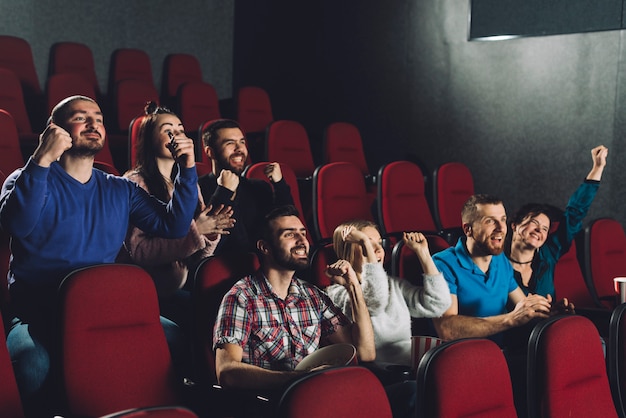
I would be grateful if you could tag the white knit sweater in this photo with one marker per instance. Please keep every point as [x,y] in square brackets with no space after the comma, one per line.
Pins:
[391,303]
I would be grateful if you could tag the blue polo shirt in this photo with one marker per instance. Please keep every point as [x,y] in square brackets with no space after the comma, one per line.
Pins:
[479,294]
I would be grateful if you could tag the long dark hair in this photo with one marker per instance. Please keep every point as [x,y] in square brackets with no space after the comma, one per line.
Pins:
[146,164]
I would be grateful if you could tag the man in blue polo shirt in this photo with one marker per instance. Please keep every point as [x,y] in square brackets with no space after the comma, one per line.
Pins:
[481,283]
[481,278]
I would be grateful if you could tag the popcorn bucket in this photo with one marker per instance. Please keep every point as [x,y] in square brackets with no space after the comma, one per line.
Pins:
[420,344]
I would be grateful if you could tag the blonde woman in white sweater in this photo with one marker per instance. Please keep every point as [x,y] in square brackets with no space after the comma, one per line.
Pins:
[391,301]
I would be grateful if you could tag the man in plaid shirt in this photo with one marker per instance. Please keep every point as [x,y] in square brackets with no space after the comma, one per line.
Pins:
[269,321]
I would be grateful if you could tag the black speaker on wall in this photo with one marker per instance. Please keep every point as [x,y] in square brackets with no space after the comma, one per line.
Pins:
[496,19]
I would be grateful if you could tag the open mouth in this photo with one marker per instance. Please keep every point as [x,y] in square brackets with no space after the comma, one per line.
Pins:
[238,159]
[300,251]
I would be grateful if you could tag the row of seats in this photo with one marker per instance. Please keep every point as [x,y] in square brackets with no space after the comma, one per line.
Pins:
[566,366]
[71,71]
[567,373]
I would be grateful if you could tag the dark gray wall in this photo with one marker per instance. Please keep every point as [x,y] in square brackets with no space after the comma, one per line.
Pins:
[522,114]
[200,27]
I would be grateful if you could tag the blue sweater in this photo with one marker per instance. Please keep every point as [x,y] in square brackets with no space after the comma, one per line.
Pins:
[58,224]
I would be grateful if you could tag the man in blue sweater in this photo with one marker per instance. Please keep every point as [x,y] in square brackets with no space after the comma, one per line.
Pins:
[62,214]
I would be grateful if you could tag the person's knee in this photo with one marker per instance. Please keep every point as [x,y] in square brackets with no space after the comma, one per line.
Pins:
[31,365]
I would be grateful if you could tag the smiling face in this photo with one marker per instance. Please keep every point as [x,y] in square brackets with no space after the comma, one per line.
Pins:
[488,229]
[533,230]
[85,125]
[230,151]
[289,247]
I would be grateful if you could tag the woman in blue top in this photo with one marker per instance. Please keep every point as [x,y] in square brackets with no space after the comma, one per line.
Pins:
[533,252]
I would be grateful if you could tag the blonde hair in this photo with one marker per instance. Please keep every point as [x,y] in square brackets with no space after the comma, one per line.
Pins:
[347,250]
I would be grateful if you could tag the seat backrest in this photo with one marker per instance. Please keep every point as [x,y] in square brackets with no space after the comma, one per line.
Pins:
[130,64]
[566,370]
[569,281]
[254,109]
[453,185]
[212,279]
[10,402]
[467,377]
[133,134]
[196,102]
[401,199]
[16,55]
[605,258]
[256,171]
[339,195]
[74,58]
[12,100]
[616,358]
[114,352]
[321,256]
[154,412]
[350,391]
[287,142]
[5,257]
[10,152]
[405,263]
[178,69]
[62,85]
[343,142]
[131,97]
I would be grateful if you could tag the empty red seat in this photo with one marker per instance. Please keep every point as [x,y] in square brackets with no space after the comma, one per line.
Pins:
[212,279]
[74,58]
[195,103]
[254,110]
[343,142]
[453,184]
[402,203]
[616,358]
[339,195]
[569,281]
[10,153]
[114,352]
[338,392]
[16,55]
[12,100]
[605,258]
[567,374]
[62,85]
[464,378]
[130,64]
[288,143]
[179,69]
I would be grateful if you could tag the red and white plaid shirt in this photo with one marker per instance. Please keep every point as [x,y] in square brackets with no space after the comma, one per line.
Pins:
[274,333]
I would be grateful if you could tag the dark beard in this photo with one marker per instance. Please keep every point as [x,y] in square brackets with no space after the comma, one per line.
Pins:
[85,151]
[486,249]
[225,165]
[287,262]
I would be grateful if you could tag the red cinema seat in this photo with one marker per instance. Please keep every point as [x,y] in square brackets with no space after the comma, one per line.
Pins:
[336,201]
[567,374]
[465,378]
[114,352]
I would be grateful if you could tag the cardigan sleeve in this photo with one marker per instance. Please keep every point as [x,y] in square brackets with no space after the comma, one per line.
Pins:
[430,301]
